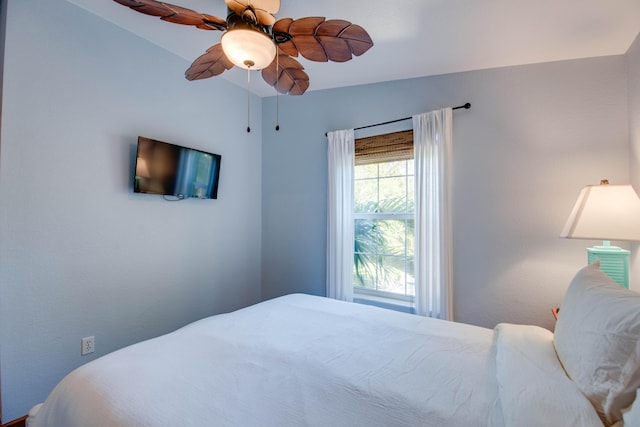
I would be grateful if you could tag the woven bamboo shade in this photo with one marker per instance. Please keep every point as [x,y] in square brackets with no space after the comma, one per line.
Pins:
[384,148]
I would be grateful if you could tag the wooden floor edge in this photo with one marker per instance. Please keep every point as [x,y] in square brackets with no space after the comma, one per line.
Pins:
[20,422]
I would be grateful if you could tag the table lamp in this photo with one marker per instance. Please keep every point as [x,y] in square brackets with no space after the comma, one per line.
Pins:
[606,212]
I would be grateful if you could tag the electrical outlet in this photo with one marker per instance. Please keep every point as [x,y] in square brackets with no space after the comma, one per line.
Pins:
[88,346]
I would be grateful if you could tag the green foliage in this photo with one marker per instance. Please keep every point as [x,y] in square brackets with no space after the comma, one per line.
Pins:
[381,244]
[366,243]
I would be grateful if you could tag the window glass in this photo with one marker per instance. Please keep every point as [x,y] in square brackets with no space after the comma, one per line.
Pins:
[384,228]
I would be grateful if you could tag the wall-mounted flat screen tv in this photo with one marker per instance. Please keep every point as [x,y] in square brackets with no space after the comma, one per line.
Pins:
[172,170]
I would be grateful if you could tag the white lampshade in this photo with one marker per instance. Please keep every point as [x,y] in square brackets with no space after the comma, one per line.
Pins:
[605,212]
[248,49]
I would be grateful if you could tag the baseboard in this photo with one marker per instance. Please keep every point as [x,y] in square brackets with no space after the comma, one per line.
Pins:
[20,422]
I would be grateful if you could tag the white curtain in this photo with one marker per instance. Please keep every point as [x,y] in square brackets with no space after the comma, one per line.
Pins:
[432,134]
[340,239]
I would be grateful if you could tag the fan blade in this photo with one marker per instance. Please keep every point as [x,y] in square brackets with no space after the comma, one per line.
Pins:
[320,40]
[286,75]
[175,14]
[264,9]
[129,3]
[282,26]
[212,63]
[303,32]
[358,39]
[271,6]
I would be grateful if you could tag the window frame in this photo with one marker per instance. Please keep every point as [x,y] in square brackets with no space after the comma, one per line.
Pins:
[364,292]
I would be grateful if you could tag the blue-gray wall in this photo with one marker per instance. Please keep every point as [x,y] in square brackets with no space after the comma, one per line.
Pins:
[3,22]
[633,73]
[534,137]
[80,254]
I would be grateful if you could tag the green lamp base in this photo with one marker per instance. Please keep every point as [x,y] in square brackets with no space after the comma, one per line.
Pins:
[614,262]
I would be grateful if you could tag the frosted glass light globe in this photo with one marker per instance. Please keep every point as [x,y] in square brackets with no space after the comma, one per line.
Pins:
[248,49]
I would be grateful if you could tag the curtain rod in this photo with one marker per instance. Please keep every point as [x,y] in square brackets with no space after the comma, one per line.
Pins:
[465,106]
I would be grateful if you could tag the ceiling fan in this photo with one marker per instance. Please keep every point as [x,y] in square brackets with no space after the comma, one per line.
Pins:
[254,40]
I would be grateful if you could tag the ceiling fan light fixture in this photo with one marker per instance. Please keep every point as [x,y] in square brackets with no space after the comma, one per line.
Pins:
[253,37]
[249,49]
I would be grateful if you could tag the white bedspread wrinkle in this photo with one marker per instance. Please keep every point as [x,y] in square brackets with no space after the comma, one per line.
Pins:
[293,361]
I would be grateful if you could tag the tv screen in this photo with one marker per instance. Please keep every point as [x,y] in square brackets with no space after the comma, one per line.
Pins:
[172,170]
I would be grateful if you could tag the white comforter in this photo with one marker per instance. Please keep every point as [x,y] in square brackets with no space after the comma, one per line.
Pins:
[300,361]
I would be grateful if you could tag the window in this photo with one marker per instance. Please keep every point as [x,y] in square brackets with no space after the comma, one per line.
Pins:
[384,216]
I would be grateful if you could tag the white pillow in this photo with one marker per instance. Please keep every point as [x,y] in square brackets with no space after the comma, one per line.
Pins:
[597,339]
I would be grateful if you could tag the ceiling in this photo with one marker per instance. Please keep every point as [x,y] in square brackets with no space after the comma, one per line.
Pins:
[414,38]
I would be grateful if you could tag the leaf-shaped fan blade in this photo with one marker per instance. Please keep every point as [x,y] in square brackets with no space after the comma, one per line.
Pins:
[286,75]
[264,9]
[176,14]
[212,63]
[320,40]
[282,26]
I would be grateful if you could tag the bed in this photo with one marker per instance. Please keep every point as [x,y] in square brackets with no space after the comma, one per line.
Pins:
[301,360]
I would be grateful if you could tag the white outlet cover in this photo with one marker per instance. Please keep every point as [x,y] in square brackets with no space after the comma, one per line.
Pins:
[88,346]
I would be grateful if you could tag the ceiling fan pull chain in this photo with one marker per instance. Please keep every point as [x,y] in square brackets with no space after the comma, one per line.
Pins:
[277,111]
[276,87]
[248,99]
